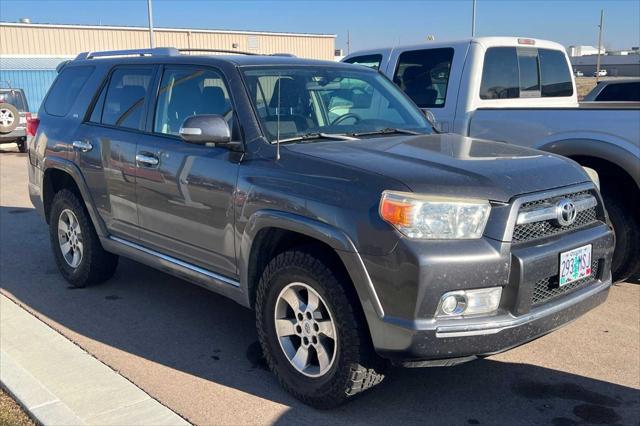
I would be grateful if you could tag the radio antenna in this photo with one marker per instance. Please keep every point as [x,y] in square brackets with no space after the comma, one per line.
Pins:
[278,121]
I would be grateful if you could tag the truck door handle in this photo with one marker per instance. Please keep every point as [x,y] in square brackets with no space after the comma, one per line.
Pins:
[147,160]
[82,146]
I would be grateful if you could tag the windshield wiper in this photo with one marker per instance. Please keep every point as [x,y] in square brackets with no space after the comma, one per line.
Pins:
[318,135]
[387,131]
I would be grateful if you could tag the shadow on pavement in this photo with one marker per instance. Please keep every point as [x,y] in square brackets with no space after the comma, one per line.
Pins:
[168,321]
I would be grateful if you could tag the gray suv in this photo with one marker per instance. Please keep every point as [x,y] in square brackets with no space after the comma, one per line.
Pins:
[14,116]
[317,194]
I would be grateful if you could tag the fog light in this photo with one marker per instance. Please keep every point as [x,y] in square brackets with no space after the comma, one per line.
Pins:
[469,302]
[453,304]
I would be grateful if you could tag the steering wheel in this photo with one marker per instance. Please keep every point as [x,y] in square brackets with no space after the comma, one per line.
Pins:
[344,117]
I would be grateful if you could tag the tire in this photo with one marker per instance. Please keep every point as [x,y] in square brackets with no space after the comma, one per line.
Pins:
[22,145]
[626,257]
[354,367]
[9,118]
[89,263]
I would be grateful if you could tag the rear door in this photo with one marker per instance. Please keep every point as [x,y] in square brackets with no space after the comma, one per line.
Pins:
[185,191]
[106,145]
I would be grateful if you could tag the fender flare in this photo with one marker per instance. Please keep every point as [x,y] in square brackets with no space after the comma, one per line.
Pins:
[57,163]
[323,232]
[602,150]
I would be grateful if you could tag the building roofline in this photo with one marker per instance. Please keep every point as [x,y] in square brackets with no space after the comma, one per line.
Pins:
[162,29]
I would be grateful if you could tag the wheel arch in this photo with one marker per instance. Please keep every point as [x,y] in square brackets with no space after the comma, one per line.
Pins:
[58,174]
[600,156]
[270,232]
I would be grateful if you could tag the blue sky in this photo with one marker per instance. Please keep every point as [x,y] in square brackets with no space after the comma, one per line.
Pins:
[371,23]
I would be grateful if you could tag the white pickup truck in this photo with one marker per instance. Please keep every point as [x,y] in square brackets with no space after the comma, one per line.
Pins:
[522,91]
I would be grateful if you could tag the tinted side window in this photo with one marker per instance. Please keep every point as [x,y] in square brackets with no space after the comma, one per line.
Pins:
[124,102]
[96,114]
[622,92]
[424,76]
[371,61]
[15,98]
[65,90]
[185,92]
[500,74]
[555,74]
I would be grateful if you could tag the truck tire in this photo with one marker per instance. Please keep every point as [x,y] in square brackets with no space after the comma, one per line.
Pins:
[22,145]
[626,257]
[9,118]
[313,338]
[75,244]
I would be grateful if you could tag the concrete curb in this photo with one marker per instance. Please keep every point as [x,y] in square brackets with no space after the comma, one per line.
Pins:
[58,383]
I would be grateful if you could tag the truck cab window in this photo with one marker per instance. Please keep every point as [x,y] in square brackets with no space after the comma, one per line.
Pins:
[371,61]
[500,74]
[424,76]
[555,74]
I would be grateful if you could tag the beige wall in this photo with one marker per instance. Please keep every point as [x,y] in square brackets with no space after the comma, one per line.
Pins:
[53,40]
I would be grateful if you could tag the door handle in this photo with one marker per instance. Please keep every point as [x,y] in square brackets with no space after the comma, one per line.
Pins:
[82,146]
[147,160]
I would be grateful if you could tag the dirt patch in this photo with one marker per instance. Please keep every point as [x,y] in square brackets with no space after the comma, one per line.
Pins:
[11,414]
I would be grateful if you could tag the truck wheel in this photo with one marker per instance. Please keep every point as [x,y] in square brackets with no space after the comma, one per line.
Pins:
[9,118]
[311,335]
[76,247]
[22,145]
[626,257]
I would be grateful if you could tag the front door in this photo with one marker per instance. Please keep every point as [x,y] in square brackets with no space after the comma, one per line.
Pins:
[185,191]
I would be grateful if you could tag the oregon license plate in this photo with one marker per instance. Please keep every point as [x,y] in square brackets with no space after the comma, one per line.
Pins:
[575,264]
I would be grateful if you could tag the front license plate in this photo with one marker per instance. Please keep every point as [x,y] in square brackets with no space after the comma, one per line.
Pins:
[575,264]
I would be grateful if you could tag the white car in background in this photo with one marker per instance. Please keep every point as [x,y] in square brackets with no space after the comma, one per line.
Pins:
[601,73]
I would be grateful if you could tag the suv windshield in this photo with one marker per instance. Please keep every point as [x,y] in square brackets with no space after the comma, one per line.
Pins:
[14,98]
[295,102]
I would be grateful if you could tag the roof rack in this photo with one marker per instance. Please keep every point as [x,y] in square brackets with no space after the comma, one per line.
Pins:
[158,51]
[234,52]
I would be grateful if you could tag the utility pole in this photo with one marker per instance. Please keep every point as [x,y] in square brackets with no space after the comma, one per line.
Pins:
[150,13]
[348,42]
[473,19]
[599,45]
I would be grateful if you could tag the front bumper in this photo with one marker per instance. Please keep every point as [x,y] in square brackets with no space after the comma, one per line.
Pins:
[412,335]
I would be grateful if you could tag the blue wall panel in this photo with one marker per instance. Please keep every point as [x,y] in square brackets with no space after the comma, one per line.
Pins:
[35,84]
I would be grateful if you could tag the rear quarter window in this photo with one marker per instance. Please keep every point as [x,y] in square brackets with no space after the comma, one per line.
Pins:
[65,90]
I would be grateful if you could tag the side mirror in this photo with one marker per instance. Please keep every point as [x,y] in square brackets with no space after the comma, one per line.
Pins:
[432,120]
[206,129]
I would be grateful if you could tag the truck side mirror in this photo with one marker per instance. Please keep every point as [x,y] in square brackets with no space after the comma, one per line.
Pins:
[432,120]
[207,129]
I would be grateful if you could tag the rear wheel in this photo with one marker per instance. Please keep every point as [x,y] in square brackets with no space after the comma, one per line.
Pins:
[76,247]
[314,339]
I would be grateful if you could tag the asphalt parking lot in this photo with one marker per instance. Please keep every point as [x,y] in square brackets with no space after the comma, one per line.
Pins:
[197,352]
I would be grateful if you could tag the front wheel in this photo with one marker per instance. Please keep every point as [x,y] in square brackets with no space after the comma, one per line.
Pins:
[313,337]
[625,221]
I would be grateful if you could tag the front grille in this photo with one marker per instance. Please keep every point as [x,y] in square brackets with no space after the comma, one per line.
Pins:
[548,288]
[545,228]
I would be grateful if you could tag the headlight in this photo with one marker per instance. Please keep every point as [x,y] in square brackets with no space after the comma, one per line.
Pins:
[434,217]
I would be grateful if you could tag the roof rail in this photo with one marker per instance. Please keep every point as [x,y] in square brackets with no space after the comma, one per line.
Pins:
[234,52]
[158,51]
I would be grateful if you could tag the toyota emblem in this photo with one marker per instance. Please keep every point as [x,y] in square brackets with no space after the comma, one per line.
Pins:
[565,212]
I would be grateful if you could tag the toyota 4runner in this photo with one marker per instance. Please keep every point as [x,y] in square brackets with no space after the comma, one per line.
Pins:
[317,194]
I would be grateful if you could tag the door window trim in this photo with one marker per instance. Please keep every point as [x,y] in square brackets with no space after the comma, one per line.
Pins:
[104,84]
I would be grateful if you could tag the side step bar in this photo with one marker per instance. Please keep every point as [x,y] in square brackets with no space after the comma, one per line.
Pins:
[210,280]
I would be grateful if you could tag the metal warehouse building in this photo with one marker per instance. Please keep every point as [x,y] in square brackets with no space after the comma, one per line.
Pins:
[29,53]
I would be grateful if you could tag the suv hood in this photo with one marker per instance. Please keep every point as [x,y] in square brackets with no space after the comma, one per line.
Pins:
[450,164]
